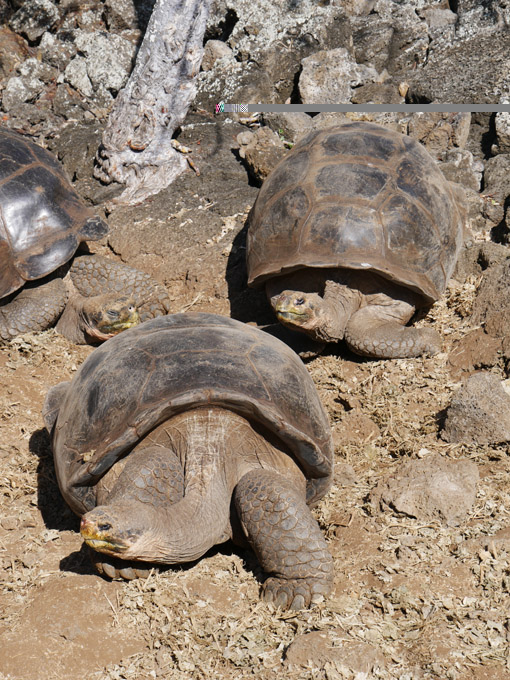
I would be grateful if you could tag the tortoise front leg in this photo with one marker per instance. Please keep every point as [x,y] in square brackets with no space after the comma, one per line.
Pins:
[286,539]
[379,331]
[32,309]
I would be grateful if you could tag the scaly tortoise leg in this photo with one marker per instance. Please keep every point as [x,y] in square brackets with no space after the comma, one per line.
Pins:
[33,309]
[379,331]
[286,539]
[94,275]
[146,469]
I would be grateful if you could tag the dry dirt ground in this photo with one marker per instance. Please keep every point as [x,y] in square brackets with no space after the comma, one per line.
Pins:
[414,598]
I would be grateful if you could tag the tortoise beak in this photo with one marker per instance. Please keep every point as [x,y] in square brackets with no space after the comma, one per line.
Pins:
[289,306]
[96,536]
[126,318]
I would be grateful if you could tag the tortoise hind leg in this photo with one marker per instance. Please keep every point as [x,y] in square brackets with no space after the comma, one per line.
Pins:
[286,539]
[379,331]
[33,309]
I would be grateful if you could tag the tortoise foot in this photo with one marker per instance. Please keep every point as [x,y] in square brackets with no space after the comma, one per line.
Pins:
[286,539]
[121,569]
[294,593]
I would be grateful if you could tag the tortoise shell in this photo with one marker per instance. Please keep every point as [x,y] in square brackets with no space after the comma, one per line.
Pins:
[42,218]
[358,196]
[147,374]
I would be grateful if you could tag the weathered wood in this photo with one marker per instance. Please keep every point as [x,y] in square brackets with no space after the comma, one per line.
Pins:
[136,147]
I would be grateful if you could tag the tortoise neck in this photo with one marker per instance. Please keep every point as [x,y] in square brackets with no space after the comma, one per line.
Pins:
[339,303]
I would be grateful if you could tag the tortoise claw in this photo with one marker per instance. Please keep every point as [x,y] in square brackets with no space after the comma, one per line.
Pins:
[293,594]
[121,569]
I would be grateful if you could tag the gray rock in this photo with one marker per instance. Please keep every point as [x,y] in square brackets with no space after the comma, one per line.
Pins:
[502,122]
[268,41]
[431,488]
[235,83]
[475,17]
[69,103]
[30,80]
[76,75]
[496,193]
[16,92]
[126,14]
[491,307]
[55,51]
[459,166]
[476,257]
[41,122]
[356,7]
[262,151]
[34,17]
[479,412]
[378,93]
[372,42]
[497,176]
[329,77]
[5,11]
[476,69]
[440,131]
[102,66]
[109,59]
[214,50]
[393,36]
[471,204]
[439,18]
[291,126]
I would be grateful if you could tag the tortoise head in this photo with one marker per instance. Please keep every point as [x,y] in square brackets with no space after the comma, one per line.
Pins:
[104,316]
[298,310]
[118,531]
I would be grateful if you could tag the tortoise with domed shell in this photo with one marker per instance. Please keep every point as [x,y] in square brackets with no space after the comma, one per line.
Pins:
[43,221]
[188,430]
[353,231]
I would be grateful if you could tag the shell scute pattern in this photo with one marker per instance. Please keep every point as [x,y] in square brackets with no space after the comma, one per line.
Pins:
[42,219]
[374,198]
[142,377]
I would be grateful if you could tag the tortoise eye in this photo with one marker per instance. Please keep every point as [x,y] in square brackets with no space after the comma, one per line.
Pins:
[299,301]
[112,314]
[104,526]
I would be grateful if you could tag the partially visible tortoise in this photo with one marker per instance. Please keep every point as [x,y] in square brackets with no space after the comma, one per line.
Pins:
[187,431]
[42,223]
[353,231]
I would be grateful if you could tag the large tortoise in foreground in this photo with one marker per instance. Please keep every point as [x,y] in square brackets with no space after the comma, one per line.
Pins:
[189,430]
[353,231]
[42,223]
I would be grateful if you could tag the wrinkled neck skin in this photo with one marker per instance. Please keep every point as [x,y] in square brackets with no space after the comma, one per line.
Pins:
[70,324]
[324,298]
[333,312]
[214,447]
[179,533]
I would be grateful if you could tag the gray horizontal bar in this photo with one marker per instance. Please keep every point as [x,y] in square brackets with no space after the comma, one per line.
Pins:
[396,108]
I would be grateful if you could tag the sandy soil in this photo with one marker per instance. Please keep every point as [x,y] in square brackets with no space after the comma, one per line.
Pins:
[415,597]
[412,598]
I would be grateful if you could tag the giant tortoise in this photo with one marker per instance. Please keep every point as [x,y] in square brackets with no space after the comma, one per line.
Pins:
[189,430]
[353,231]
[42,223]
